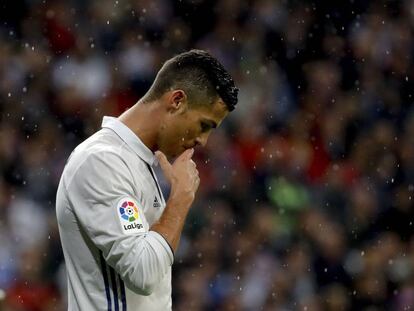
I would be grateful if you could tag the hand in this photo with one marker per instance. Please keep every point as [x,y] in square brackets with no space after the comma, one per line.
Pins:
[182,175]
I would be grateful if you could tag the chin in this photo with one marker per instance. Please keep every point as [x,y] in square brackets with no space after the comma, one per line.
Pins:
[178,152]
[173,154]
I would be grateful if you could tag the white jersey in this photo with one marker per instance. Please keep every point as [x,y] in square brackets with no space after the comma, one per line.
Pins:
[108,198]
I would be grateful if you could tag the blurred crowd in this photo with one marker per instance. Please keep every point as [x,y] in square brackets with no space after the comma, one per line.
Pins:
[306,195]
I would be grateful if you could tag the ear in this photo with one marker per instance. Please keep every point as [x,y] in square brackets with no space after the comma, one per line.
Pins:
[177,101]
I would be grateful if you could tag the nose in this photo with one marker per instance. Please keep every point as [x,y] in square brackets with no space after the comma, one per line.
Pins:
[202,140]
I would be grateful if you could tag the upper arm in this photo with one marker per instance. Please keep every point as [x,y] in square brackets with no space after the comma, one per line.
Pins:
[105,199]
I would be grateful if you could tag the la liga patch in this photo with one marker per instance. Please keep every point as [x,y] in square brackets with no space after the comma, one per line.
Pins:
[129,216]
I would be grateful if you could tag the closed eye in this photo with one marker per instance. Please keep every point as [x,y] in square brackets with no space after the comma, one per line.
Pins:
[205,127]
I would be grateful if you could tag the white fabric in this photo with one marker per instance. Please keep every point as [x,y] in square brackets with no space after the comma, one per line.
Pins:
[104,249]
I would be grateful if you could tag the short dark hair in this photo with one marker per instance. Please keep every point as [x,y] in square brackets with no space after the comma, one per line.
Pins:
[199,74]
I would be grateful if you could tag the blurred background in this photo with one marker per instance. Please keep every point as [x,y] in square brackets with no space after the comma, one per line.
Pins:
[306,199]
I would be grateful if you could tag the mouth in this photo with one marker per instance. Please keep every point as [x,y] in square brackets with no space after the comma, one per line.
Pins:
[188,147]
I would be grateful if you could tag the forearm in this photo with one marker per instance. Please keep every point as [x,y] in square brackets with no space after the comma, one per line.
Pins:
[142,261]
[171,222]
[184,181]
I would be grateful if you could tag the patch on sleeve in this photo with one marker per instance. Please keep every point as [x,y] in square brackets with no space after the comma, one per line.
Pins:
[129,216]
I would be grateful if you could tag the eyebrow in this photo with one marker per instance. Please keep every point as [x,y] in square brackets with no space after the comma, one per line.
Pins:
[211,123]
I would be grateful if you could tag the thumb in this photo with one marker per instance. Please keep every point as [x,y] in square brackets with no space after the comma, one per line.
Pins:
[190,153]
[186,154]
[165,165]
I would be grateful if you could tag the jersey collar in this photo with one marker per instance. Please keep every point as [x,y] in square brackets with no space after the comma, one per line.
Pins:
[131,139]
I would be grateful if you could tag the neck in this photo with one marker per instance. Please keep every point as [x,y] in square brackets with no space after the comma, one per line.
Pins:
[144,120]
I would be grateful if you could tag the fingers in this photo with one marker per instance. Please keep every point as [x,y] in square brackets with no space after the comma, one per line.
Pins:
[165,165]
[196,175]
[186,155]
[190,153]
[183,171]
[197,182]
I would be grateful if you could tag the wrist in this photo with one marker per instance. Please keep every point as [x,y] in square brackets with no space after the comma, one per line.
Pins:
[180,200]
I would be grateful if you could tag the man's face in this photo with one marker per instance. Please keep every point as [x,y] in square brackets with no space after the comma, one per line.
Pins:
[190,127]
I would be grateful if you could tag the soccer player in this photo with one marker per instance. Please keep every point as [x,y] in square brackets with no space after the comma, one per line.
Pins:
[118,233]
